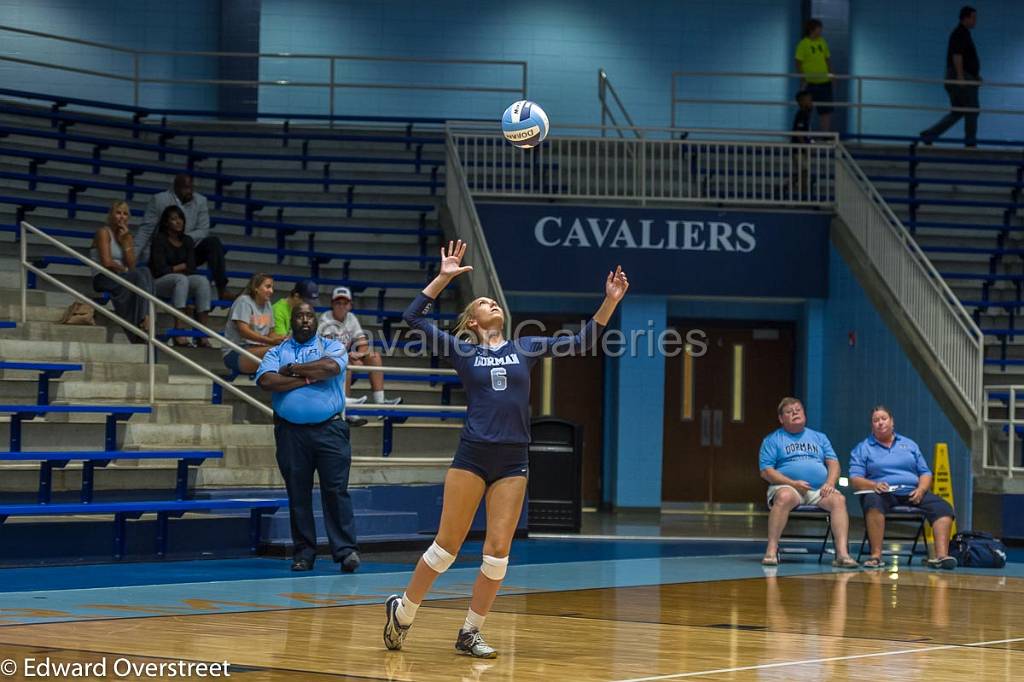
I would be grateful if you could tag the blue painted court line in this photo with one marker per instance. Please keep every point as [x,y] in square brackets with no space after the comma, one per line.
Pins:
[317,591]
[532,551]
[370,588]
[524,552]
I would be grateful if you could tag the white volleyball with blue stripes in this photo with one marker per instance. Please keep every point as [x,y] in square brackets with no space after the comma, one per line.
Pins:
[524,124]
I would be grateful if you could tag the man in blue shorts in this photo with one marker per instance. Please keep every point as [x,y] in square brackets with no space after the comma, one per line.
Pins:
[801,468]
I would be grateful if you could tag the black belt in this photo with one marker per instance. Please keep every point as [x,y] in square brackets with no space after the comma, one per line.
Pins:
[281,420]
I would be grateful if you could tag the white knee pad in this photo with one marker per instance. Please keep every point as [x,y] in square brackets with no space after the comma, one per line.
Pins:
[438,558]
[494,568]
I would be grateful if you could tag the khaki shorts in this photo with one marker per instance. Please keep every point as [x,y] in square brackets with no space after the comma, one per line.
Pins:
[812,496]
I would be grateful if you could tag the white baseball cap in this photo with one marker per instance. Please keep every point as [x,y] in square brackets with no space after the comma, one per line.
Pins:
[341,292]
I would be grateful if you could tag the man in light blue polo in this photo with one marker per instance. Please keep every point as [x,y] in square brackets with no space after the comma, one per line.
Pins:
[306,375]
[801,468]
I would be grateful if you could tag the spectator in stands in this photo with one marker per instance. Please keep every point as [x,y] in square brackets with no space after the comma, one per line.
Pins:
[962,64]
[304,373]
[801,123]
[173,262]
[340,324]
[114,249]
[813,60]
[304,290]
[209,248]
[251,324]
[887,470]
[802,119]
[802,468]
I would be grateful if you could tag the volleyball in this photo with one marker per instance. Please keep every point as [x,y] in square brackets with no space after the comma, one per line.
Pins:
[524,124]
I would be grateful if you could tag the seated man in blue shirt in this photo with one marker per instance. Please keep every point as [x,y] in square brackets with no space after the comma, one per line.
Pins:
[801,468]
[306,375]
[887,470]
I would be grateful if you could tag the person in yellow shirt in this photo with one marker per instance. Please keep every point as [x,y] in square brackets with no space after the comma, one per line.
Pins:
[813,61]
[304,290]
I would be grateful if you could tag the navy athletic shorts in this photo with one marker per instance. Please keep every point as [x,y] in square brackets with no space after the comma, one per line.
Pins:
[821,92]
[933,506]
[492,461]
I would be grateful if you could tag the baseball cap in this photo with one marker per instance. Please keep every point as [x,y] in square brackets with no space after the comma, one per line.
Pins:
[341,292]
[307,289]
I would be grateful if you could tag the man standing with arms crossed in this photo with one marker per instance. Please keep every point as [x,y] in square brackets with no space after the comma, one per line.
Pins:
[306,375]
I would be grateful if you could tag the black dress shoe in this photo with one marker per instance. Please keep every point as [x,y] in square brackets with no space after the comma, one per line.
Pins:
[302,565]
[350,563]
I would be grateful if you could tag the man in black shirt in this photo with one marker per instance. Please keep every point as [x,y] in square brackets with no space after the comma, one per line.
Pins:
[962,64]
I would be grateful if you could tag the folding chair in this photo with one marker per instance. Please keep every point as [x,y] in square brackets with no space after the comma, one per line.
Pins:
[807,512]
[906,515]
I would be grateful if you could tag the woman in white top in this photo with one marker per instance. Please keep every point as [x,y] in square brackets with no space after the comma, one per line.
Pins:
[114,249]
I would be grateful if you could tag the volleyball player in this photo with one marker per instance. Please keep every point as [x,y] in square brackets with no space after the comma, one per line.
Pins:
[491,461]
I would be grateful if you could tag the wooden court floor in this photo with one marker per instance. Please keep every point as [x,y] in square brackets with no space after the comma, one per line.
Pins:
[847,626]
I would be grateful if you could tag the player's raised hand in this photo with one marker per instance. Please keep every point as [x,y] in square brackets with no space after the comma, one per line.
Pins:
[616,285]
[451,260]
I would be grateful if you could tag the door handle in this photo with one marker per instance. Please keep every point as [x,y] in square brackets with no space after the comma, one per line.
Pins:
[718,429]
[705,427]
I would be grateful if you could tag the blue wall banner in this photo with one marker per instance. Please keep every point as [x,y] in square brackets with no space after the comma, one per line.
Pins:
[565,248]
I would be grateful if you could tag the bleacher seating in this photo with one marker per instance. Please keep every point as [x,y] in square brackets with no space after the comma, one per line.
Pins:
[354,206]
[966,210]
[164,509]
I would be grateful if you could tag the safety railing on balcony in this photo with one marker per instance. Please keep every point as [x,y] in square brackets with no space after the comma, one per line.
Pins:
[871,100]
[121,73]
[717,166]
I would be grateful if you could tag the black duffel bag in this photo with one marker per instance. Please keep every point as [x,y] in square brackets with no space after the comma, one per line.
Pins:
[977,550]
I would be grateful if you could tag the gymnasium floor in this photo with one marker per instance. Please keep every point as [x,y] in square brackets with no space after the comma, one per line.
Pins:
[614,610]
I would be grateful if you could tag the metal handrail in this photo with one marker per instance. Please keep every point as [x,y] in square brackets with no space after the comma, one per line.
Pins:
[331,85]
[969,386]
[858,104]
[1011,423]
[156,304]
[484,276]
[603,86]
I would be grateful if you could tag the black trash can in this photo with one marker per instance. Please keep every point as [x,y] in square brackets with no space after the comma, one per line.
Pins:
[556,473]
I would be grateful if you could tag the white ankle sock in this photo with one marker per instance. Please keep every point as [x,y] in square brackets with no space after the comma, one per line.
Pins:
[406,611]
[474,621]
[378,397]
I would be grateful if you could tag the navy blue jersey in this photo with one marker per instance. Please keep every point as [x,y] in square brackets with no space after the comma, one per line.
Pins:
[496,379]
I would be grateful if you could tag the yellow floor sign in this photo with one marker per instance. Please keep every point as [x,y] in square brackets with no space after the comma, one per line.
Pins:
[942,485]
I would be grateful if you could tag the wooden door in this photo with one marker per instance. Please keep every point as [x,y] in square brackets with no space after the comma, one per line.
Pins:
[719,404]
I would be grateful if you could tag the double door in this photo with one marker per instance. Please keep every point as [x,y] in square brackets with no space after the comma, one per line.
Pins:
[720,402]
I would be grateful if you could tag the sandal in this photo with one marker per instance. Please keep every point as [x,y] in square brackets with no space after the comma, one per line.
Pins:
[770,560]
[182,342]
[874,562]
[848,562]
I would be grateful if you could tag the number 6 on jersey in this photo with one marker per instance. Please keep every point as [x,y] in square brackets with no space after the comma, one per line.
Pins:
[499,378]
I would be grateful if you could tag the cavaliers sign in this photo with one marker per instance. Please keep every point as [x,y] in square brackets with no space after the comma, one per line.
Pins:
[563,248]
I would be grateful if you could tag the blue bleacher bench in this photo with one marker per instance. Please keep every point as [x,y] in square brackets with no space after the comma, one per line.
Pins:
[58,459]
[447,381]
[398,416]
[115,413]
[47,371]
[8,324]
[164,510]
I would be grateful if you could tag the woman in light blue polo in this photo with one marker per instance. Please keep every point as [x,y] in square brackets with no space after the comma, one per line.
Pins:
[889,470]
